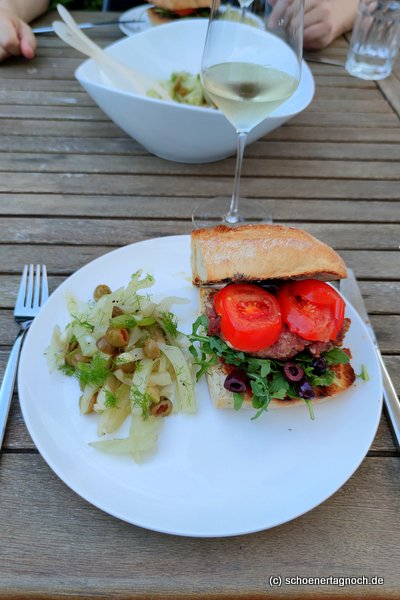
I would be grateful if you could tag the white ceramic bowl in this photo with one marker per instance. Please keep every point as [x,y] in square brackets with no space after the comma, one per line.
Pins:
[170,130]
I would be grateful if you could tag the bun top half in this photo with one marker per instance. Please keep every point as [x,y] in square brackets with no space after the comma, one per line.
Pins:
[261,252]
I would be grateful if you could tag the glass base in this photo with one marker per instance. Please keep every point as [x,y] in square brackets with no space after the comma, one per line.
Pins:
[214,211]
[370,72]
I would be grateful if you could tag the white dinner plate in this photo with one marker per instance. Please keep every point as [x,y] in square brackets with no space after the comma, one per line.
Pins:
[216,473]
[139,13]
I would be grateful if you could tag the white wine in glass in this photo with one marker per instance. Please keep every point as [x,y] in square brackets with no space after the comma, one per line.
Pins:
[251,65]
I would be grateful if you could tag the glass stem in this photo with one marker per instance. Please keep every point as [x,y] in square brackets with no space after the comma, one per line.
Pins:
[233,214]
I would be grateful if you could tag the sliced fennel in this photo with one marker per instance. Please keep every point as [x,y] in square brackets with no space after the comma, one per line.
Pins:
[184,378]
[151,367]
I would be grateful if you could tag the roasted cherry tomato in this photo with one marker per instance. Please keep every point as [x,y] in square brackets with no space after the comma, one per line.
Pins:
[312,309]
[250,316]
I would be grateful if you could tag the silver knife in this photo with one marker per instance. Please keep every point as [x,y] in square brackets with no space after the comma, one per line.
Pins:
[50,29]
[351,291]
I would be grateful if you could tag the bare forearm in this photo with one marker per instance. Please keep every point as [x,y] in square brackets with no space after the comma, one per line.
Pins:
[27,10]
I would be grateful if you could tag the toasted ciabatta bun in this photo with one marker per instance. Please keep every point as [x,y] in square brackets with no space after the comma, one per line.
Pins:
[261,252]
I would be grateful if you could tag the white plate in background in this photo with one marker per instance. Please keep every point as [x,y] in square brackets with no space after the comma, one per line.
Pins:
[139,13]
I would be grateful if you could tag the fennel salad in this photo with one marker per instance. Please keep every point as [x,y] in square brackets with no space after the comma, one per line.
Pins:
[185,88]
[130,360]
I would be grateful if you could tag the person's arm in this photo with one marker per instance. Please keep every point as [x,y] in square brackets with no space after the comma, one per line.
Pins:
[16,36]
[325,20]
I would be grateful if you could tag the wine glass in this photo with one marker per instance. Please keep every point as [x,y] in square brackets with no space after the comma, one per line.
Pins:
[251,65]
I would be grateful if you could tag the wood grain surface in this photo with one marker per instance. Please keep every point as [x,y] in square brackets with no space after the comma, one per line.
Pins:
[73,186]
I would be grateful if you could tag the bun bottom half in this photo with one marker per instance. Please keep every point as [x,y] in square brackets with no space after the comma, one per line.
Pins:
[223,398]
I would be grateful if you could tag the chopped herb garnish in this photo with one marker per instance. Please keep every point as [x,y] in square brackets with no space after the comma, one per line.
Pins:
[67,370]
[138,366]
[169,323]
[94,373]
[111,400]
[141,400]
[83,322]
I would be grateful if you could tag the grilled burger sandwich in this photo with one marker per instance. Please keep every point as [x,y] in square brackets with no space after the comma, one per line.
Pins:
[165,11]
[271,329]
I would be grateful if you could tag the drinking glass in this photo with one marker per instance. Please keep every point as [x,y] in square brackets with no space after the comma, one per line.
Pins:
[375,39]
[251,65]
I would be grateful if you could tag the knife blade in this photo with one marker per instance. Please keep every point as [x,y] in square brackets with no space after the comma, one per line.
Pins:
[322,60]
[351,291]
[50,29]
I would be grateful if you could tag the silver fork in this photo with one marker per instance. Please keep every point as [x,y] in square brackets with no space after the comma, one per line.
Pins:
[33,293]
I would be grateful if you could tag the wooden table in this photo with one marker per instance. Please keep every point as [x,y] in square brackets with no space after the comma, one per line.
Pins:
[73,187]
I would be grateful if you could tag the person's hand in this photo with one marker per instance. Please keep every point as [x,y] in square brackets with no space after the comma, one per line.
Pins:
[325,20]
[16,36]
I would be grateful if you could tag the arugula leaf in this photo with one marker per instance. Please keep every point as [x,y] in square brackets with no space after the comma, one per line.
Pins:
[336,356]
[279,386]
[322,380]
[310,409]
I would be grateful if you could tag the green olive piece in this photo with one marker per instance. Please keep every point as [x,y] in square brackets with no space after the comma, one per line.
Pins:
[117,311]
[101,290]
[75,357]
[117,337]
[104,346]
[162,408]
[126,367]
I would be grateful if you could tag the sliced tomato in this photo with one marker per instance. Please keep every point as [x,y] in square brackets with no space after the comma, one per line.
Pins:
[250,316]
[312,309]
[184,12]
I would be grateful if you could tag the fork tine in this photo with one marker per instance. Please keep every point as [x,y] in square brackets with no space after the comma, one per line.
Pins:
[45,287]
[22,288]
[29,289]
[37,283]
